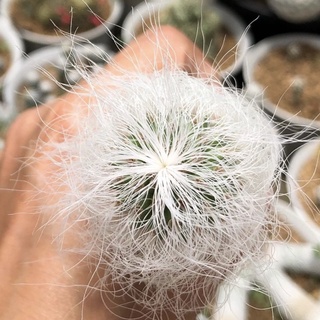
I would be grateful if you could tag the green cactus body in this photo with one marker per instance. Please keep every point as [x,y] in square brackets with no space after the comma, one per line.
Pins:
[197,20]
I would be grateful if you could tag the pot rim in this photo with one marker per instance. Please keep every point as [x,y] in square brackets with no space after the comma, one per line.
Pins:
[297,162]
[14,42]
[254,90]
[51,54]
[117,9]
[16,49]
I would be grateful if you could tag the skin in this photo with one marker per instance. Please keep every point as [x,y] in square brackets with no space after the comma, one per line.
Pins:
[37,280]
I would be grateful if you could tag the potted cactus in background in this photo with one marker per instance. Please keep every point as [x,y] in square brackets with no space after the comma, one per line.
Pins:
[198,21]
[296,11]
[304,181]
[264,20]
[49,72]
[47,22]
[219,32]
[288,287]
[281,72]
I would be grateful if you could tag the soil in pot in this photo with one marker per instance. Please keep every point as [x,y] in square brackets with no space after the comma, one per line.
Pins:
[5,57]
[290,78]
[309,186]
[44,17]
[310,284]
[261,306]
[259,303]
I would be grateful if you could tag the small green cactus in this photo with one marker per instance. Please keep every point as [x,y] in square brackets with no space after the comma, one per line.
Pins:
[197,20]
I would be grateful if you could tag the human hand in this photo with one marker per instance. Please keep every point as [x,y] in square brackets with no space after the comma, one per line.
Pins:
[39,280]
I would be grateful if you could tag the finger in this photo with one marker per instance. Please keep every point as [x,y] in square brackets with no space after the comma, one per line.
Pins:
[158,48]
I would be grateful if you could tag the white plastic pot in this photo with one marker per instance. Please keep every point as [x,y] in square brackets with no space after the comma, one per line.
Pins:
[15,45]
[16,48]
[255,90]
[134,20]
[294,128]
[297,163]
[34,66]
[98,34]
[296,11]
[290,299]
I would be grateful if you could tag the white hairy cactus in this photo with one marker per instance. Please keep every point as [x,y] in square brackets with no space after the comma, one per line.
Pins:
[174,175]
[296,11]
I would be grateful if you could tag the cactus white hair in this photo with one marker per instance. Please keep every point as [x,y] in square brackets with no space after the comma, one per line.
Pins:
[174,177]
